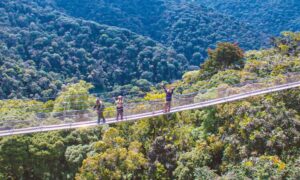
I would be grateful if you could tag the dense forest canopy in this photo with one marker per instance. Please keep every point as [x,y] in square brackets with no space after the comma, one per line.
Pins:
[41,49]
[64,50]
[187,27]
[268,16]
[256,138]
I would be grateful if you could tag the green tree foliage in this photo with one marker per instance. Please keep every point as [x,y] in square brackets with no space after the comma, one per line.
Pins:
[75,155]
[255,138]
[36,156]
[74,97]
[191,163]
[226,55]
[187,27]
[288,43]
[114,160]
[52,155]
[41,49]
[263,167]
[47,150]
[267,16]
[162,153]
[14,157]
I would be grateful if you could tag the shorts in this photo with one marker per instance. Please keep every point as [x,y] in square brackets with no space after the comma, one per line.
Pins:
[168,103]
[120,109]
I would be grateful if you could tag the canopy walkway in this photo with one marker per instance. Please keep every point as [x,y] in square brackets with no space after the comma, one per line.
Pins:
[148,109]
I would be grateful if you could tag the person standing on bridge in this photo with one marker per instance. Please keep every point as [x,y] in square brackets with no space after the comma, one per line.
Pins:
[99,107]
[169,94]
[120,110]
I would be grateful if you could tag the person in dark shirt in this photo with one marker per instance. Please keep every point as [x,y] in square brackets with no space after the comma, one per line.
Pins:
[169,94]
[99,107]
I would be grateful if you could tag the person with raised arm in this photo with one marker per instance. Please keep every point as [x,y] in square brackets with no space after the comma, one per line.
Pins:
[169,94]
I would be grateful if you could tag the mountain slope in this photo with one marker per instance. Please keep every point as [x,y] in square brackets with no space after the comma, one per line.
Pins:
[187,27]
[42,48]
[267,16]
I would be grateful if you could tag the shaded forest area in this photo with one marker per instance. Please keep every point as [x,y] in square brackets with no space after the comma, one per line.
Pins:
[268,16]
[187,27]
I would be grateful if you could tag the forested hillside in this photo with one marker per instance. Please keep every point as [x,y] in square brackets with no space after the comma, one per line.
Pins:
[256,138]
[268,16]
[57,52]
[41,48]
[187,27]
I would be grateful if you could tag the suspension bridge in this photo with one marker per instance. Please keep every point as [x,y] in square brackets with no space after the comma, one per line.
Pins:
[71,119]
